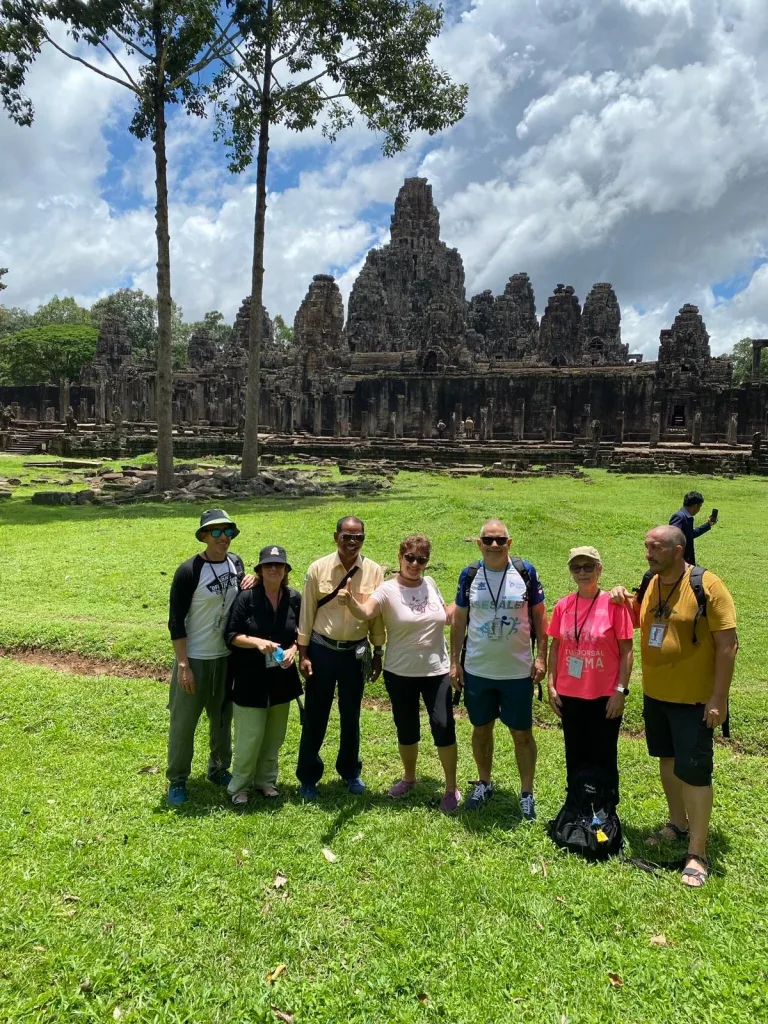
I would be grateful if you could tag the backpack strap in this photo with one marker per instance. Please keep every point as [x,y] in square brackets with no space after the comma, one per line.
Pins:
[696,580]
[645,582]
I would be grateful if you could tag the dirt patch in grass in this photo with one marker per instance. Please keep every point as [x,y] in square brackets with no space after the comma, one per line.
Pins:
[61,661]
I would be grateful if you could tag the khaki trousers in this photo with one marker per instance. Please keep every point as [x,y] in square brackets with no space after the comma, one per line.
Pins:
[259,734]
[186,709]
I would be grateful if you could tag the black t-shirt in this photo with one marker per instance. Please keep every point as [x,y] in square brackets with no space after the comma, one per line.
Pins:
[252,684]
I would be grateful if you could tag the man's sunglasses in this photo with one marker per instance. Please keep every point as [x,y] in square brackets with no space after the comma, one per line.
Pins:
[421,559]
[490,541]
[583,568]
[349,537]
[228,531]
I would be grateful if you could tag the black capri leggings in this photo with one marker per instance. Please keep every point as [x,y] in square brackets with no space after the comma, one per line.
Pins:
[404,694]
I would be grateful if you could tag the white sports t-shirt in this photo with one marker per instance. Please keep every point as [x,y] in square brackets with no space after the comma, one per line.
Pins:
[415,621]
[216,591]
[499,629]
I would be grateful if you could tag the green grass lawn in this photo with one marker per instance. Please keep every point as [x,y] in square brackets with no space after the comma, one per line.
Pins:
[95,580]
[114,907]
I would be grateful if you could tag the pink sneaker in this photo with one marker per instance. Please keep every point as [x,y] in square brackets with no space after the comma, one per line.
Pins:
[450,802]
[401,789]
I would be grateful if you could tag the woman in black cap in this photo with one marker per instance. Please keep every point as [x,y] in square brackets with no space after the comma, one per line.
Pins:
[261,632]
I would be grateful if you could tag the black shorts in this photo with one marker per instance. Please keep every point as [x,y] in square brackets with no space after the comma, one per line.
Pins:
[404,693]
[679,731]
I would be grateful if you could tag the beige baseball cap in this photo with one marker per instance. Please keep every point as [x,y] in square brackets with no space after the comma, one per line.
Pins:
[585,552]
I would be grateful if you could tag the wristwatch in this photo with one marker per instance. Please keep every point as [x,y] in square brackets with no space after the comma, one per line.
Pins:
[377,650]
[623,689]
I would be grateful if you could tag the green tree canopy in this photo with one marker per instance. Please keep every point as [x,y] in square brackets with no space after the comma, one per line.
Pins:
[283,333]
[13,319]
[741,357]
[137,312]
[61,311]
[3,272]
[46,355]
[214,323]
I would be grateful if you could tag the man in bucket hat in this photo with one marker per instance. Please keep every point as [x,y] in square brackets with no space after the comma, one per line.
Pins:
[203,590]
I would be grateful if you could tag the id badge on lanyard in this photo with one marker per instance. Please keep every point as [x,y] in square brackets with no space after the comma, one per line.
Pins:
[575,667]
[657,634]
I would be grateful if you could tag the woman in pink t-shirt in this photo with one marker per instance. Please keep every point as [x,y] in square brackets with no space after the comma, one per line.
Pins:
[590,663]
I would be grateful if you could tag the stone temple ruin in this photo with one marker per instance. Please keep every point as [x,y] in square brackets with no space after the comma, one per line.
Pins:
[415,359]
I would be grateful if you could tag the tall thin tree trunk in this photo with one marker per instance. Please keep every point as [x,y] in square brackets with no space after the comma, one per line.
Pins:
[164,397]
[250,465]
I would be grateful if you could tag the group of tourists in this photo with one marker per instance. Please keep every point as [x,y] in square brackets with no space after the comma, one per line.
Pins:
[238,638]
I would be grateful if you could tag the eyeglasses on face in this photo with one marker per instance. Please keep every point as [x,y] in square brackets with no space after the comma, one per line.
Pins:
[490,541]
[228,531]
[353,537]
[585,568]
[421,559]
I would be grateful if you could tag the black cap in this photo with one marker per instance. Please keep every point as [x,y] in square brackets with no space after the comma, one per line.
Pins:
[214,517]
[273,554]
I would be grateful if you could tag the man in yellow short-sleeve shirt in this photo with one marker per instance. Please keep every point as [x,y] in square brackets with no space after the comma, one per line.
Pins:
[686,681]
[333,649]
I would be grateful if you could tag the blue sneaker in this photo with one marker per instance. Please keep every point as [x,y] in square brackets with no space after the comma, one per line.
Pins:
[528,806]
[220,778]
[177,795]
[308,791]
[479,796]
[355,786]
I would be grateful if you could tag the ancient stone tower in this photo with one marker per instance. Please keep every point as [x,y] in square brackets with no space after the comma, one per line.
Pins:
[410,293]
[560,327]
[600,331]
[318,327]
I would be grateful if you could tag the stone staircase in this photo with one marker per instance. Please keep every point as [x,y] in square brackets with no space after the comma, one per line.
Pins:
[31,442]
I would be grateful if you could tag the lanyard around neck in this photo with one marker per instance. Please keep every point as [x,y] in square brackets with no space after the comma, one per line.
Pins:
[576,630]
[663,610]
[495,600]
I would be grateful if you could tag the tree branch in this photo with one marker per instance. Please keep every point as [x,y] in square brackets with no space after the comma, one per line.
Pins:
[321,74]
[131,45]
[90,67]
[292,49]
[212,51]
[122,67]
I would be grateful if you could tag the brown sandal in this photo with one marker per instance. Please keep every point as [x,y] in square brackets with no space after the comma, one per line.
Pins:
[698,876]
[662,835]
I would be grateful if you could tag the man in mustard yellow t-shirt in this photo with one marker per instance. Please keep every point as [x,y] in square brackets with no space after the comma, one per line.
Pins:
[685,686]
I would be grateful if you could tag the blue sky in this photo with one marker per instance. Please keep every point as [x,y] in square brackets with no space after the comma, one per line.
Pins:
[620,140]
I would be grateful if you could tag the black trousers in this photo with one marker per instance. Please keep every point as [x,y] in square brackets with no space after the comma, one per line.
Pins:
[404,693]
[591,741]
[329,668]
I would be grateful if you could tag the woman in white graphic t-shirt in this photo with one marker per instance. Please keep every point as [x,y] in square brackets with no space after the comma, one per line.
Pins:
[415,662]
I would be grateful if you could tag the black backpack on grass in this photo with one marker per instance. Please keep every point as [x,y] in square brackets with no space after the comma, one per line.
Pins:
[587,823]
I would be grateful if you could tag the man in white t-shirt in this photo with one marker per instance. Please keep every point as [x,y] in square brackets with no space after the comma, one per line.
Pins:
[499,603]
[203,590]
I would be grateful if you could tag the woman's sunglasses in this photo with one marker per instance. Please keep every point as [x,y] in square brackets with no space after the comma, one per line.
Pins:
[583,569]
[421,559]
[228,531]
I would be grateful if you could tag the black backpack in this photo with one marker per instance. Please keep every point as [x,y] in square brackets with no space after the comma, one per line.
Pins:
[521,568]
[587,823]
[696,581]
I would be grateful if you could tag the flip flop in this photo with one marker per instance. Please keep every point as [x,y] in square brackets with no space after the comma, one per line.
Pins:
[696,873]
[660,836]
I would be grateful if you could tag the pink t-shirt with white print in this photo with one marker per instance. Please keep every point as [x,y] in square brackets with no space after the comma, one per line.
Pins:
[589,667]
